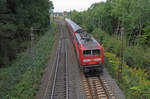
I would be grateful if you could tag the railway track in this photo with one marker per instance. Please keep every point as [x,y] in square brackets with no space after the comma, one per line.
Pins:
[97,88]
[60,85]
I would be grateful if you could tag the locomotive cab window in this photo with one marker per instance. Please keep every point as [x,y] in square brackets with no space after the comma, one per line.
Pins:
[87,52]
[96,52]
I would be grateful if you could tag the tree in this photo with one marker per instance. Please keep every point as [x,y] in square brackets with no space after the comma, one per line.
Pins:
[16,18]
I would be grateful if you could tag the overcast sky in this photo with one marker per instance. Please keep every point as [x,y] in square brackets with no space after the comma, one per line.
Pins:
[67,5]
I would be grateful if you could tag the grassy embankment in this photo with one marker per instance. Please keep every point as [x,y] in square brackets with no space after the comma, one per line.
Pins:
[21,79]
[134,82]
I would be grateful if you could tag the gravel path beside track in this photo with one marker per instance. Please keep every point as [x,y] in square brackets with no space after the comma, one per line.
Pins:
[76,84]
[46,79]
[113,85]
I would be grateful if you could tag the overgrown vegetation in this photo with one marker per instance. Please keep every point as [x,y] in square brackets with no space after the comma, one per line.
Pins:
[16,19]
[134,81]
[20,80]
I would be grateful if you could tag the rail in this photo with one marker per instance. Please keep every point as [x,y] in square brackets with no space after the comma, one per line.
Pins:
[97,88]
[58,71]
[67,74]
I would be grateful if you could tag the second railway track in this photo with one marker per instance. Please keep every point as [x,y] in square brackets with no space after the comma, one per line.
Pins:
[60,86]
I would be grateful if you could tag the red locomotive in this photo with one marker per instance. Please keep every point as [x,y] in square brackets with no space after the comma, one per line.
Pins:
[89,51]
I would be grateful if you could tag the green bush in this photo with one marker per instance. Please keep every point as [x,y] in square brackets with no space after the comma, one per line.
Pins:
[134,81]
[138,57]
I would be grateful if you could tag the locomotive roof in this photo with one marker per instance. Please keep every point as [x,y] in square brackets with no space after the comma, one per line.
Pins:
[91,42]
[74,26]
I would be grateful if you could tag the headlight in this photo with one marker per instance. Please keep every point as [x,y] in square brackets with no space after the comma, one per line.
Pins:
[97,59]
[86,60]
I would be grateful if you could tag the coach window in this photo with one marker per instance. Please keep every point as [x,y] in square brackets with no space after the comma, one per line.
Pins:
[96,52]
[87,52]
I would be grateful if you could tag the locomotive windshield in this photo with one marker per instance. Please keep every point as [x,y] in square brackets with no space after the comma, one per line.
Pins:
[94,52]
[87,52]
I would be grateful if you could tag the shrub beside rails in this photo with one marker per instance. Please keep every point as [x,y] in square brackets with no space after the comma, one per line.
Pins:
[134,82]
[89,51]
